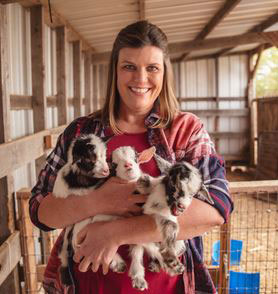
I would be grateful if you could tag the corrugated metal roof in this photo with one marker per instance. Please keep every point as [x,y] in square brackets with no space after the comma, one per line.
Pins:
[99,21]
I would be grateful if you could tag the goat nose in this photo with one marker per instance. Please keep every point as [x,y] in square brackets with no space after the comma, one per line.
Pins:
[128,164]
[105,171]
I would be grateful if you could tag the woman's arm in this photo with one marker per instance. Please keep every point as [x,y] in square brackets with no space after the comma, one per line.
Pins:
[60,212]
[100,241]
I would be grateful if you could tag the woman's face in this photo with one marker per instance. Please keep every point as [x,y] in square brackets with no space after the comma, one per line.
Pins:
[140,74]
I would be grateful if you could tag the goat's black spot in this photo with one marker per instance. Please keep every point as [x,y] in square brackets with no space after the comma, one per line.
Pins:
[76,181]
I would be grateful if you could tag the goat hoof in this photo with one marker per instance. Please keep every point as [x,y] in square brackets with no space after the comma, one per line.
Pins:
[154,266]
[175,269]
[119,267]
[139,283]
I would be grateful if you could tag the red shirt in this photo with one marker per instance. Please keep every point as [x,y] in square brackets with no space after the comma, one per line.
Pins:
[114,283]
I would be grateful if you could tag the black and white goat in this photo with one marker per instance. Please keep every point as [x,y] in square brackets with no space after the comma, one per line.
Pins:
[86,168]
[169,195]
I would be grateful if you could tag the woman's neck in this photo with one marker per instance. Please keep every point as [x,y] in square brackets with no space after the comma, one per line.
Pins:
[131,123]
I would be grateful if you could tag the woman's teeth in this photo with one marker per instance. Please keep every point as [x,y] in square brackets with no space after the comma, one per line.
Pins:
[140,90]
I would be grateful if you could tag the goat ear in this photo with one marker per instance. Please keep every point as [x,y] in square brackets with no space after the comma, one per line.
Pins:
[146,155]
[204,195]
[163,164]
[106,139]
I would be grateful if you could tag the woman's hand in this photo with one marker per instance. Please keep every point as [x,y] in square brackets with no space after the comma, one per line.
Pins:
[116,197]
[98,245]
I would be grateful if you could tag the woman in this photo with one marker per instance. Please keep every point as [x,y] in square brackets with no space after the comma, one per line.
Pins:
[142,111]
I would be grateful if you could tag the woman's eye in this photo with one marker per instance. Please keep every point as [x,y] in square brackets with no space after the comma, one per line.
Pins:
[129,67]
[152,68]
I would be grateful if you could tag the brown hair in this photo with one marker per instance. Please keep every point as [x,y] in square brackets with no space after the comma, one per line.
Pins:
[138,35]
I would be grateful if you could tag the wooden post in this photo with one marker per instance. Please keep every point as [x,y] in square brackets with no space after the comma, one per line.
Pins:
[28,246]
[7,224]
[224,266]
[38,74]
[87,83]
[61,77]
[77,101]
[251,94]
[216,119]
[95,87]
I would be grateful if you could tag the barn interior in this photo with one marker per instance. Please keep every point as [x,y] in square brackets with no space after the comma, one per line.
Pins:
[53,68]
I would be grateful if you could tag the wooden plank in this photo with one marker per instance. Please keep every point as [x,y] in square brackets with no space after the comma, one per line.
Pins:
[22,151]
[87,83]
[210,99]
[230,135]
[77,79]
[19,102]
[222,42]
[61,57]
[28,245]
[5,118]
[253,186]
[95,87]
[227,7]
[224,264]
[40,272]
[7,223]
[270,21]
[10,255]
[142,9]
[37,51]
[219,112]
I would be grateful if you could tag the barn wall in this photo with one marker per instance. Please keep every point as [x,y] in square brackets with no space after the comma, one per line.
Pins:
[212,84]
[267,110]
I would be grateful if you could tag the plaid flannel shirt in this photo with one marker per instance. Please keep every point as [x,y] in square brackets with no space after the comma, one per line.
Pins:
[186,139]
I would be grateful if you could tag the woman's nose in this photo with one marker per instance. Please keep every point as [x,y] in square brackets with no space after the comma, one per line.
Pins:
[141,75]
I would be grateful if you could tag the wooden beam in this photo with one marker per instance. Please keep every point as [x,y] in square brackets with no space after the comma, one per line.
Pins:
[10,255]
[19,152]
[229,135]
[88,83]
[219,112]
[253,186]
[210,99]
[228,6]
[61,57]
[224,42]
[28,242]
[5,119]
[270,21]
[7,223]
[19,102]
[142,12]
[77,79]
[213,43]
[38,66]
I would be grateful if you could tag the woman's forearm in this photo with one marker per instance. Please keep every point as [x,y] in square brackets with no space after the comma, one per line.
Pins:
[60,212]
[198,219]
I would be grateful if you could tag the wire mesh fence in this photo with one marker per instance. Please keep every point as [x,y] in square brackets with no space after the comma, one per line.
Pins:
[242,256]
[253,242]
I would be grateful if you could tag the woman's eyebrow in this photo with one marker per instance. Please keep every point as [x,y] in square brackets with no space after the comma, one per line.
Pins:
[127,61]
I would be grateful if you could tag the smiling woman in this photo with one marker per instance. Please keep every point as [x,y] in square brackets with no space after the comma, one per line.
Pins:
[139,82]
[141,111]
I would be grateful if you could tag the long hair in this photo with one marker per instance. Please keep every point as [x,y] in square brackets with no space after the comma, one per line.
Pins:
[138,35]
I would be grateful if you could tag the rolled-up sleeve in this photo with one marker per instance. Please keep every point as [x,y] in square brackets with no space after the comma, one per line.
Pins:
[46,180]
[201,153]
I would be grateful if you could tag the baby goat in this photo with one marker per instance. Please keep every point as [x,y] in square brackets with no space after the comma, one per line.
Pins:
[85,169]
[169,196]
[125,165]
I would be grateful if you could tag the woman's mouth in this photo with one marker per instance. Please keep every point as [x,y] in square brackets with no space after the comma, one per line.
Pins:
[137,90]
